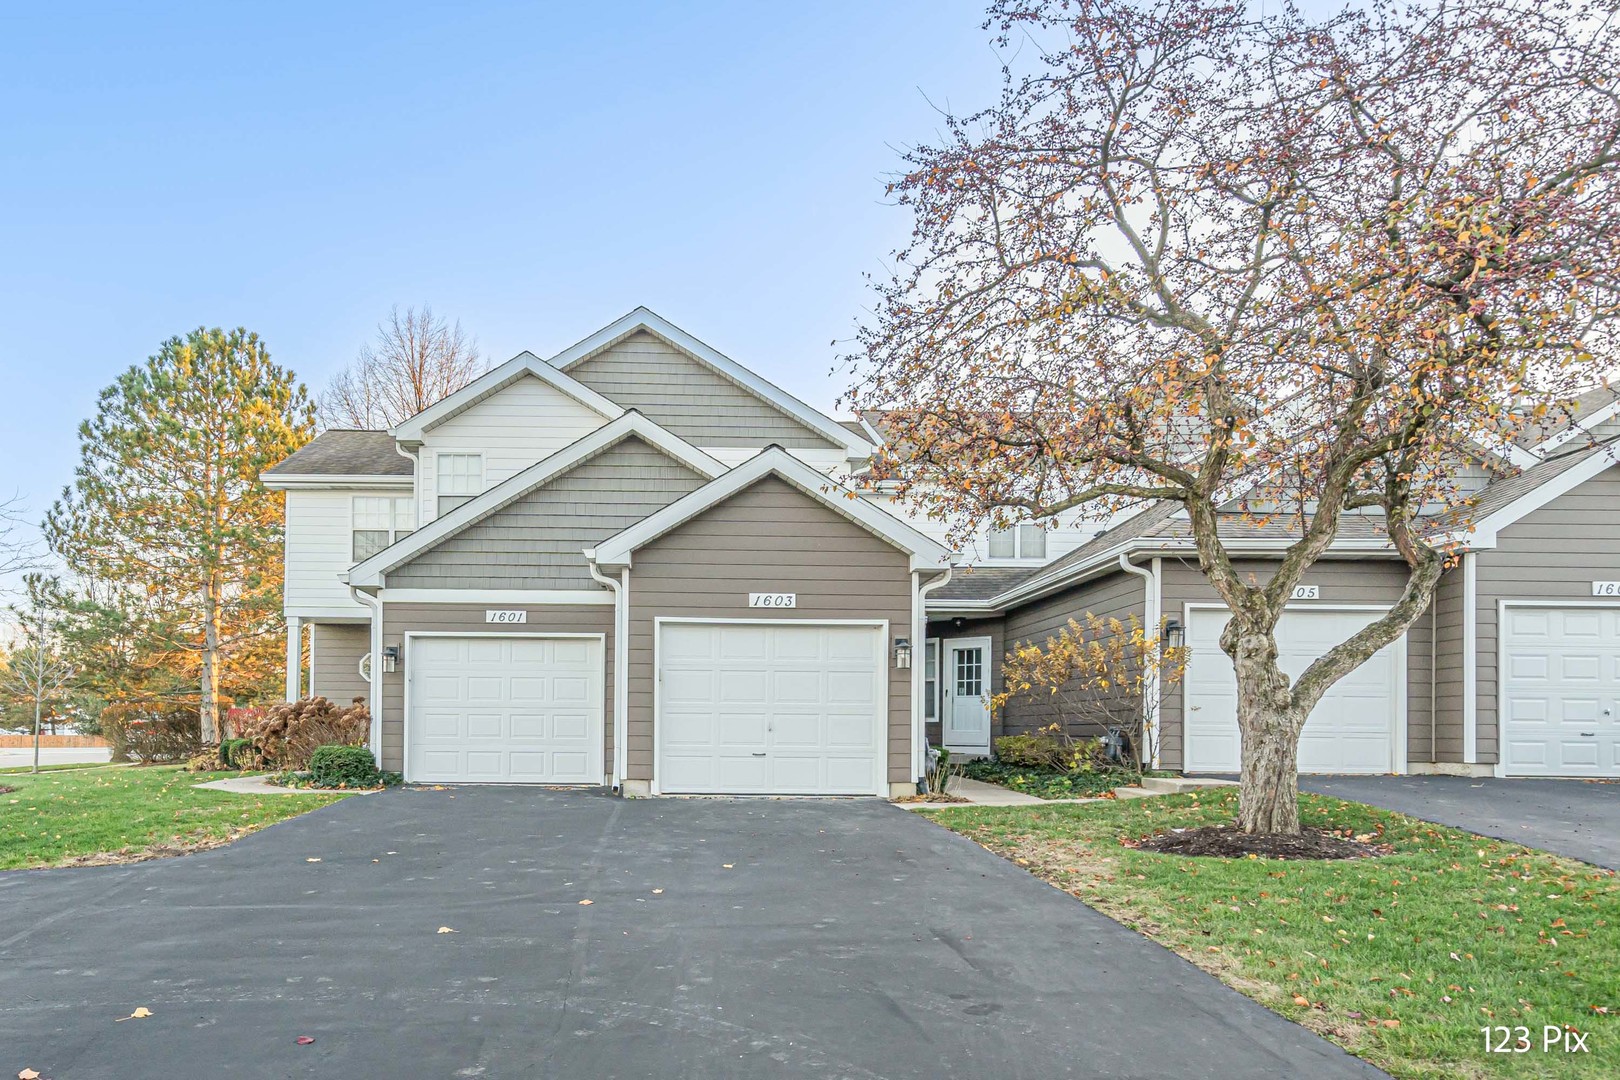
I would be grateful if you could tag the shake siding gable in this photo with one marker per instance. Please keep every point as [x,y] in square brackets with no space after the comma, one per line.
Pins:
[1552,554]
[769,537]
[646,373]
[537,541]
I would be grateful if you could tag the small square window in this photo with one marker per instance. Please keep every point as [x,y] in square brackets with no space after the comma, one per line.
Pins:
[461,474]
[1003,544]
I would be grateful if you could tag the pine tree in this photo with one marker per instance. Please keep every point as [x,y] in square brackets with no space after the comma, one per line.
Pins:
[167,509]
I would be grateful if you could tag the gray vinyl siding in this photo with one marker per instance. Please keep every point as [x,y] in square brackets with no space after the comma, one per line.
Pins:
[335,652]
[645,373]
[1343,581]
[1448,673]
[1554,553]
[538,540]
[1117,595]
[994,629]
[770,537]
[400,619]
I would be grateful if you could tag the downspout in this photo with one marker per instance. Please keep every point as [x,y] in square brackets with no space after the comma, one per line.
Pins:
[374,693]
[919,661]
[621,620]
[1434,678]
[1150,616]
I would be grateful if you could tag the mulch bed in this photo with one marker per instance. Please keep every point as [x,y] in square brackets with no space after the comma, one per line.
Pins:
[1230,842]
[933,797]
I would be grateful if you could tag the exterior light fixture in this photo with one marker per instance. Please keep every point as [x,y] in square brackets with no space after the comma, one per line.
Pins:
[390,657]
[1173,634]
[902,653]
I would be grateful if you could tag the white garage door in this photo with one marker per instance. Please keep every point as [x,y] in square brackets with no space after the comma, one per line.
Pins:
[1560,690]
[1352,729]
[504,710]
[774,709]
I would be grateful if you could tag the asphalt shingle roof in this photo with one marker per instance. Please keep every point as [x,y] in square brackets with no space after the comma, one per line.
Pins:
[346,453]
[982,582]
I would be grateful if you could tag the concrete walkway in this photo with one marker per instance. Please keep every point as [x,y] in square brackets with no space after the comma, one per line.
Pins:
[258,785]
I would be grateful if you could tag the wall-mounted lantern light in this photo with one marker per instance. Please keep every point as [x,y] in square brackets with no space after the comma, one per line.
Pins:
[390,657]
[902,653]
[1173,634]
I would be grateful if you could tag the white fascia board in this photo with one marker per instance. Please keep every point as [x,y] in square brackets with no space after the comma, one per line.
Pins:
[289,481]
[522,365]
[520,597]
[1107,561]
[369,574]
[1482,533]
[926,553]
[1583,426]
[643,319]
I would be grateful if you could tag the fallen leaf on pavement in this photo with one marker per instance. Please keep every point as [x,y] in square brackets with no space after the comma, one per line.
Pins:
[28,1074]
[657,891]
[304,1040]
[312,860]
[728,866]
[139,1014]
[582,903]
[447,930]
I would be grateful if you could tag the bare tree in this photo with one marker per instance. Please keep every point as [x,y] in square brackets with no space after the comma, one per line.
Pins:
[18,551]
[417,359]
[35,670]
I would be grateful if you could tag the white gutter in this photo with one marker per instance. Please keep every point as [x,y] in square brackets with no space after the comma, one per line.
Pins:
[1150,620]
[621,624]
[375,691]
[919,661]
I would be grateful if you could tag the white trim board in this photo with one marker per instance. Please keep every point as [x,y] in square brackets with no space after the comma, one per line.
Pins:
[522,365]
[334,481]
[643,318]
[371,572]
[515,597]
[655,786]
[407,669]
[926,553]
[1483,533]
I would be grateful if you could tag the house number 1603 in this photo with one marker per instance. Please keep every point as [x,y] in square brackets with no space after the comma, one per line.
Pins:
[773,599]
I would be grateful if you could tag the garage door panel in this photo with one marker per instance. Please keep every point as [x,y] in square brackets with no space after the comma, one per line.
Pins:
[505,709]
[1352,729]
[810,721]
[1560,691]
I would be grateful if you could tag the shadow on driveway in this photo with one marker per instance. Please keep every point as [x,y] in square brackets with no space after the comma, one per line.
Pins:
[723,938]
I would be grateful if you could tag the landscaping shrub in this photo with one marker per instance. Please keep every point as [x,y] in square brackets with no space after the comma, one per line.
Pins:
[343,766]
[209,760]
[1050,749]
[287,735]
[237,753]
[152,733]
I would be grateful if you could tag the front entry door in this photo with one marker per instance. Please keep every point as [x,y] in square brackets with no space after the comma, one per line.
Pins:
[967,695]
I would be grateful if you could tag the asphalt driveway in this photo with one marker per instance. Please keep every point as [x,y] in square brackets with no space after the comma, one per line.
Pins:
[743,938]
[1580,819]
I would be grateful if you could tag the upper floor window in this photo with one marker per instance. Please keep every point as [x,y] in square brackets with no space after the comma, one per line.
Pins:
[1023,542]
[379,520]
[461,476]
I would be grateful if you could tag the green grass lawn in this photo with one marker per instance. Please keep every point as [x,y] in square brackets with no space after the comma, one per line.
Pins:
[73,816]
[1400,959]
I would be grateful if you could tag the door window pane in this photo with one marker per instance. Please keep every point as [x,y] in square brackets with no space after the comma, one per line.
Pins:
[969,675]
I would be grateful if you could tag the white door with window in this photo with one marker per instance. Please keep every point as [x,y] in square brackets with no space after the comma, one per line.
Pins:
[771,708]
[966,723]
[1560,691]
[504,709]
[1355,728]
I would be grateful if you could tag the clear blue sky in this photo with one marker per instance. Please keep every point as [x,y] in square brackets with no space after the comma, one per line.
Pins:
[534,170]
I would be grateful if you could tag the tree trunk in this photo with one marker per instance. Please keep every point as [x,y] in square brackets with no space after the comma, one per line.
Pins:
[1268,791]
[36,731]
[209,711]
